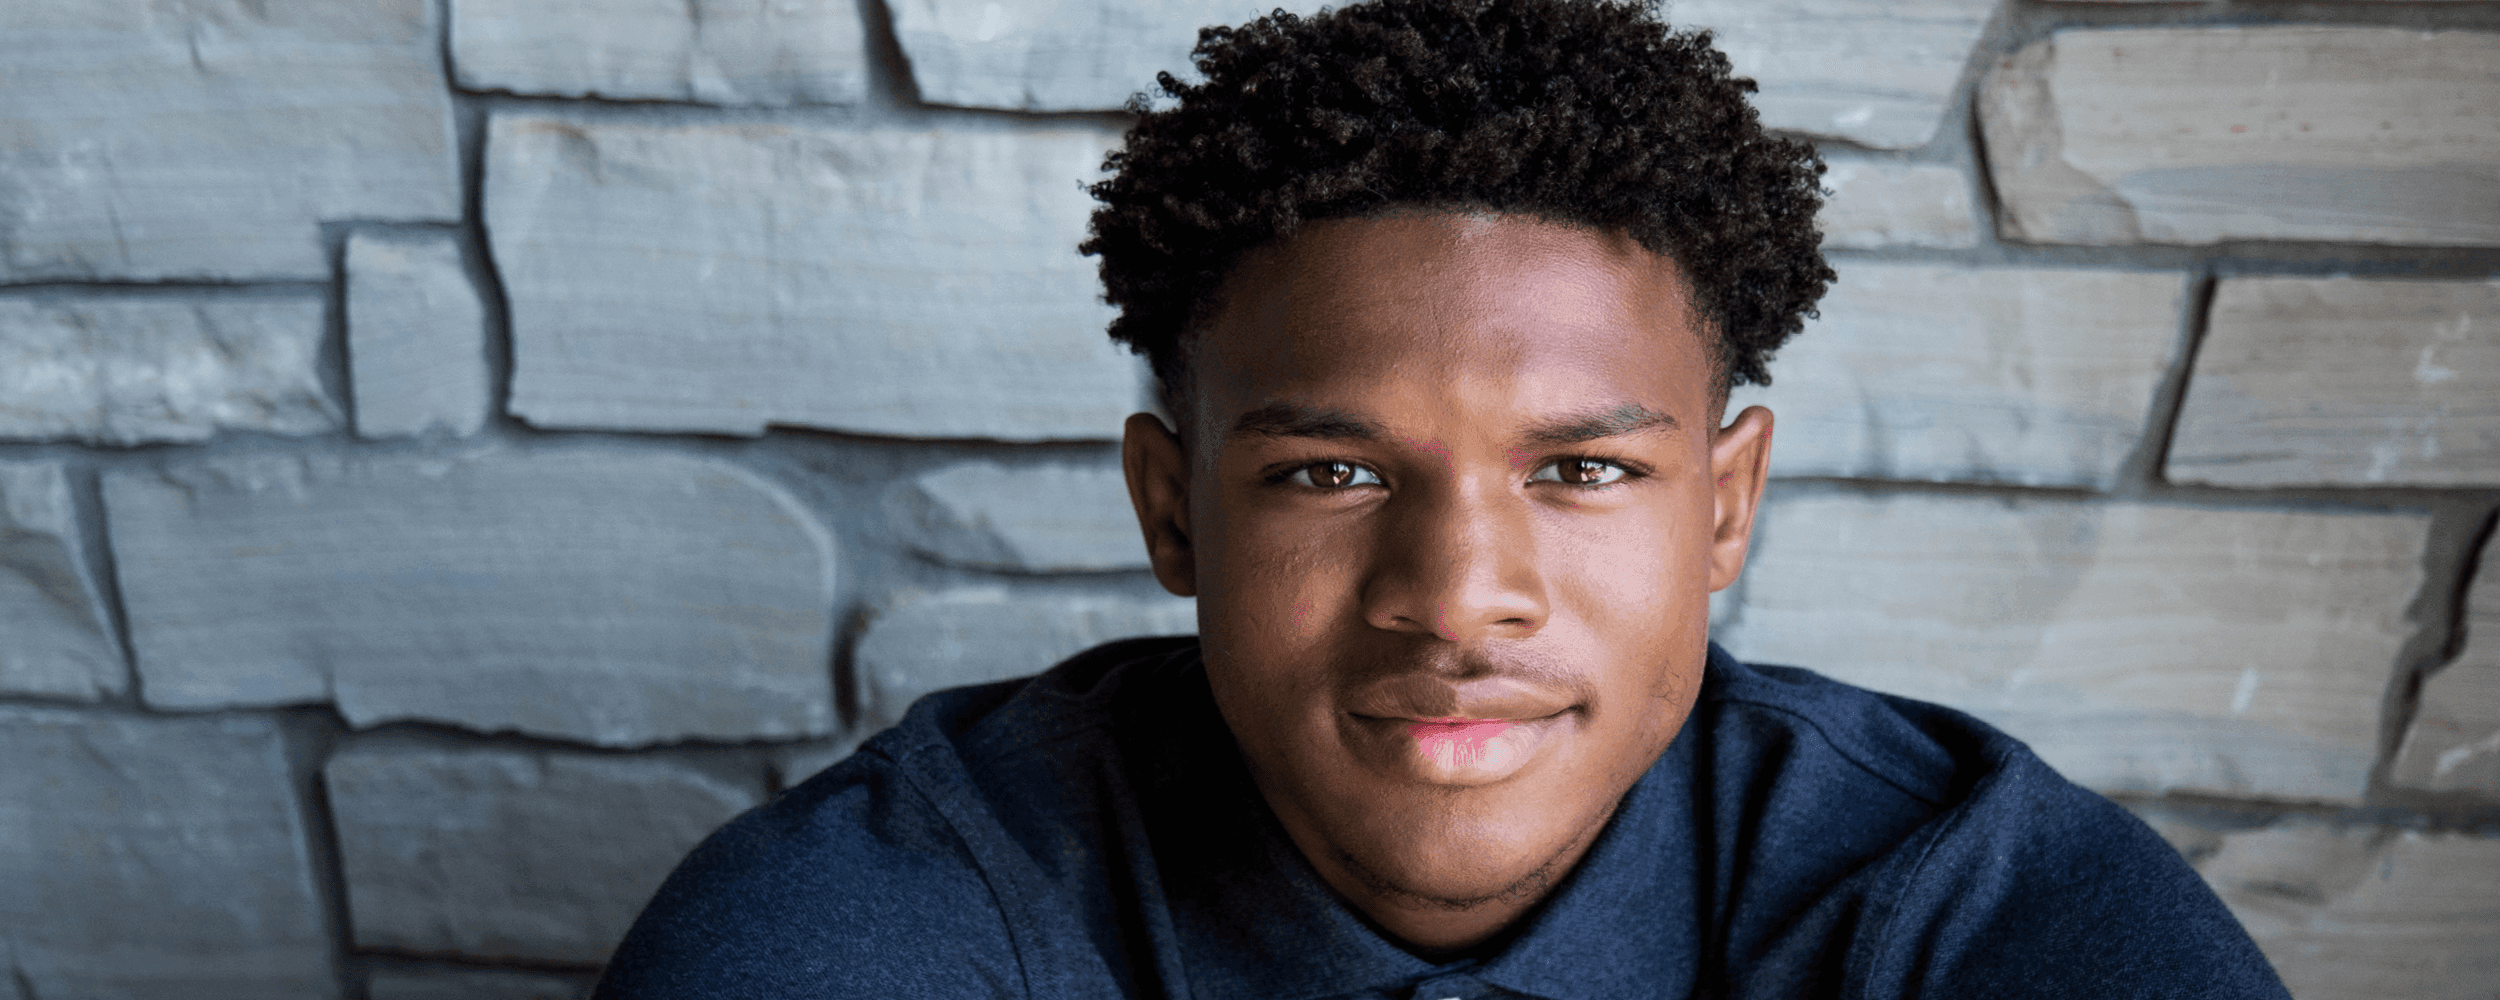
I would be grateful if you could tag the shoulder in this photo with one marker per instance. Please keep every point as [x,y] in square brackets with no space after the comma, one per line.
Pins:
[1974,867]
[886,874]
[2034,886]
[1792,717]
[853,883]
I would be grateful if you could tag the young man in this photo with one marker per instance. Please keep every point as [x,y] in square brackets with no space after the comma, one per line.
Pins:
[1445,297]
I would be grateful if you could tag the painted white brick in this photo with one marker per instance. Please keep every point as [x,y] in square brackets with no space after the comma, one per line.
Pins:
[719,278]
[770,52]
[208,139]
[1879,203]
[2034,376]
[416,337]
[2137,647]
[975,636]
[154,859]
[1050,518]
[1878,74]
[613,598]
[55,637]
[1055,55]
[506,854]
[128,370]
[2344,382]
[2453,744]
[2201,135]
[2365,914]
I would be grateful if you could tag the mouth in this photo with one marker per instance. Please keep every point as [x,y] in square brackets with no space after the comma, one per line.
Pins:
[1451,750]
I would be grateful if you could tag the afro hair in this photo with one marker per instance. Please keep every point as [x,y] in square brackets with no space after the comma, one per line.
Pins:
[1585,112]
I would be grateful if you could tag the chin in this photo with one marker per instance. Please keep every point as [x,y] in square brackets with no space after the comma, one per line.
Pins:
[1455,871]
[1459,848]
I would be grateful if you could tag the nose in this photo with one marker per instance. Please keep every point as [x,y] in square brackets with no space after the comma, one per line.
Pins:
[1459,564]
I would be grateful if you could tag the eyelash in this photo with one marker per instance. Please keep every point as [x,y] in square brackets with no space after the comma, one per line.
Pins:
[1630,472]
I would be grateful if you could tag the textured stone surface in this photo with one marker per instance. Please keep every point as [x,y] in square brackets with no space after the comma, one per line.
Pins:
[2305,381]
[1055,55]
[720,278]
[613,597]
[207,139]
[2033,376]
[2200,135]
[975,636]
[473,984]
[2361,914]
[503,854]
[2453,744]
[715,51]
[1878,74]
[2137,647]
[1049,518]
[55,637]
[154,858]
[134,369]
[416,337]
[1879,203]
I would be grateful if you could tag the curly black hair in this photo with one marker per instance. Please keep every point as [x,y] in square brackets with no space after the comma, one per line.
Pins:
[1586,112]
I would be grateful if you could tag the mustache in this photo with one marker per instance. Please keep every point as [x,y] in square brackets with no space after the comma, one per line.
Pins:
[1434,681]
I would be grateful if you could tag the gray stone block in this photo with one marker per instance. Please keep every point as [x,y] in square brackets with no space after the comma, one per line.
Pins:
[713,51]
[473,984]
[881,280]
[2020,375]
[520,855]
[56,639]
[208,139]
[130,370]
[1877,74]
[1055,55]
[154,858]
[2344,382]
[2140,648]
[416,337]
[2453,744]
[975,636]
[2195,135]
[617,598]
[1035,519]
[2367,914]
[1879,203]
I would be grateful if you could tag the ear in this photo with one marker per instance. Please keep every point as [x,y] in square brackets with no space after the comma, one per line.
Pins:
[1739,456]
[1158,486]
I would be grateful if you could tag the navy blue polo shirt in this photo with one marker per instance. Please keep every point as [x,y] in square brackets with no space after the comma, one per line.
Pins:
[1092,832]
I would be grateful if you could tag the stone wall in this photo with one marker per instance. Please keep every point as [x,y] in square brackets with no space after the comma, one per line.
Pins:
[454,453]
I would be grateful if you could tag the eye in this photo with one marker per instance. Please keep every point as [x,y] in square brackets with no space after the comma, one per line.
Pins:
[1333,475]
[1580,472]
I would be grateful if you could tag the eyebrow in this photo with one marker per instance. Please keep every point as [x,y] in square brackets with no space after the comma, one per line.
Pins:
[1629,418]
[1295,420]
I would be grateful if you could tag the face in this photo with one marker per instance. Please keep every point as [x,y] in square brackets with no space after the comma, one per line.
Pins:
[1452,505]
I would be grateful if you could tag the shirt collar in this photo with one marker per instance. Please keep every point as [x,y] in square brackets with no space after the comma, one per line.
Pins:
[1254,921]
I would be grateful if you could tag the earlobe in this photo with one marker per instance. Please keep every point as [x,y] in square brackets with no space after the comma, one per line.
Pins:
[1740,457]
[1158,487]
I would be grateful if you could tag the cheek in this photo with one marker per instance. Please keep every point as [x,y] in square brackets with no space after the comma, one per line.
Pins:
[1277,584]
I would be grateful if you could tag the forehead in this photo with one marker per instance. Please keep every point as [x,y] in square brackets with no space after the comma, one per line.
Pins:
[1426,300]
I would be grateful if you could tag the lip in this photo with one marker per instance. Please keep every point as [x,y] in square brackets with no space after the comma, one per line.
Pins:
[1449,750]
[1424,698]
[1453,743]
